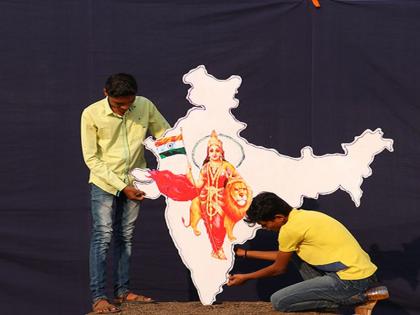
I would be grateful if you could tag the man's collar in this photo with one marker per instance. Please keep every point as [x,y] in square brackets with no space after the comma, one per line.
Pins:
[107,107]
[108,110]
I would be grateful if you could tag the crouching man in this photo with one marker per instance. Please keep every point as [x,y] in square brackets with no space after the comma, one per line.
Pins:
[335,269]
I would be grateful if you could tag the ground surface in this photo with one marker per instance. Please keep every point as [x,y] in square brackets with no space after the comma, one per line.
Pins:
[196,308]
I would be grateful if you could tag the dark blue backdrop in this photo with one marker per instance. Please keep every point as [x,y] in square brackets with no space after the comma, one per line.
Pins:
[314,77]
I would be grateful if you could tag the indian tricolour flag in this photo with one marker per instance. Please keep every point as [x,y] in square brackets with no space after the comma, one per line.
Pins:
[170,146]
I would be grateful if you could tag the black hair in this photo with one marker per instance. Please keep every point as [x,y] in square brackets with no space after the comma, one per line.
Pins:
[265,206]
[121,84]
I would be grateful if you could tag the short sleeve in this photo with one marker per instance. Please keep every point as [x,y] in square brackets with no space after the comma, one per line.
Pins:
[289,239]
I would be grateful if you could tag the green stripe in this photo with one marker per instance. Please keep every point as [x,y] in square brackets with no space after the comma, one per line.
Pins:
[172,152]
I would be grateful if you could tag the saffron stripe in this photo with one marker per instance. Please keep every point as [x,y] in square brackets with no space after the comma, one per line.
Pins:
[162,141]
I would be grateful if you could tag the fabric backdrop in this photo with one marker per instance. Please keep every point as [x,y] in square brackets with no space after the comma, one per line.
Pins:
[315,77]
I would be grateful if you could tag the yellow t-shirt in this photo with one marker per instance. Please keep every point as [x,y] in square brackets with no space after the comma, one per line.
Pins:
[326,244]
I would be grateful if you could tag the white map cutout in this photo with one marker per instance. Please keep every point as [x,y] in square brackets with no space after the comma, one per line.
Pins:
[263,169]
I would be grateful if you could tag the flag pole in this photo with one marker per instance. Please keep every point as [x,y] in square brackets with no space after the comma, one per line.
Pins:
[188,161]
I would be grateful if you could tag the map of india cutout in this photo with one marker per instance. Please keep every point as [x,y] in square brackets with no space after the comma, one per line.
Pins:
[209,174]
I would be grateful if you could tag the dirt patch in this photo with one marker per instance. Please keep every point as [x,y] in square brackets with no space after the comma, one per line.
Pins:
[196,308]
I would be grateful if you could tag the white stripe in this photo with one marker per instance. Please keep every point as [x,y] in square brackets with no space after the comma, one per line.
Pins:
[169,146]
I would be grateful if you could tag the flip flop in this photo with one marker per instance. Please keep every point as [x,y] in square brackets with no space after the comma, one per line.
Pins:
[140,299]
[102,306]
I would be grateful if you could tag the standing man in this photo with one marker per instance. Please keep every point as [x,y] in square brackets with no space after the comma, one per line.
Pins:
[112,132]
[335,269]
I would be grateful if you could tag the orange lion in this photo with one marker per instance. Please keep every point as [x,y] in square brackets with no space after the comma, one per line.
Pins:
[237,198]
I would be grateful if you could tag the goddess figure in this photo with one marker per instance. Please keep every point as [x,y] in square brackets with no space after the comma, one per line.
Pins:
[223,197]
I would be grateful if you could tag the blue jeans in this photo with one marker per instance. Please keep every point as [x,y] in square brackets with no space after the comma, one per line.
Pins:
[115,217]
[320,290]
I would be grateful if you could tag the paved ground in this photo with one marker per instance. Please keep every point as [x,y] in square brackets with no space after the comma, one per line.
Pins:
[196,308]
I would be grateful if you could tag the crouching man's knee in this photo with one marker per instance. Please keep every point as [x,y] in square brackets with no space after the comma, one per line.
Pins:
[279,302]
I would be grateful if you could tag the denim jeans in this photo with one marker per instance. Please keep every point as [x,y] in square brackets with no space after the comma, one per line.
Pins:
[115,217]
[320,290]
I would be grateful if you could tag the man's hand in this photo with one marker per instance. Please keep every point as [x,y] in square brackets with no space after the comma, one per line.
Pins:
[240,252]
[237,279]
[133,193]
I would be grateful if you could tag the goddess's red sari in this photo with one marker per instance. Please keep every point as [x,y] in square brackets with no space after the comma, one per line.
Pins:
[212,203]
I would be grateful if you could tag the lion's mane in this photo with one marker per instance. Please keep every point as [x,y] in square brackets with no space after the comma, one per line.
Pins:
[234,211]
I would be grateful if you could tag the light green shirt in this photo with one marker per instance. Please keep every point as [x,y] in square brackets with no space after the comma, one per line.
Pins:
[112,145]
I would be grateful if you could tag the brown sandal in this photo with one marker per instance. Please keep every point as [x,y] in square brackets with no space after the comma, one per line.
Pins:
[102,306]
[133,298]
[373,295]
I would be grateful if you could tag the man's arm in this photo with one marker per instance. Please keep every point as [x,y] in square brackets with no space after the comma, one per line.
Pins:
[256,254]
[278,267]
[157,123]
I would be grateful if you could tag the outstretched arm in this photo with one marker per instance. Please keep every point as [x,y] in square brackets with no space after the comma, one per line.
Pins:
[278,267]
[256,254]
